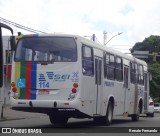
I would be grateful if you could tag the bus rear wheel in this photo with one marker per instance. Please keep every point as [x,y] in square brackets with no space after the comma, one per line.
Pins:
[58,121]
[135,117]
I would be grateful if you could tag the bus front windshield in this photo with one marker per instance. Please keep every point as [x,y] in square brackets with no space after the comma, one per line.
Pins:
[49,49]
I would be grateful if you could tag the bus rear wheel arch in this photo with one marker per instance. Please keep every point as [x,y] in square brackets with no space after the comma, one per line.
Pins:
[135,117]
[107,119]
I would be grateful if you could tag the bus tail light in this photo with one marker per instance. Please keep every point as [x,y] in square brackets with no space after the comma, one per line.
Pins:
[73,94]
[151,103]
[75,85]
[74,90]
[14,89]
[13,84]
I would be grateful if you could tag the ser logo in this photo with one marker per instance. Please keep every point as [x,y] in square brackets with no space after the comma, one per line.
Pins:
[53,76]
[45,78]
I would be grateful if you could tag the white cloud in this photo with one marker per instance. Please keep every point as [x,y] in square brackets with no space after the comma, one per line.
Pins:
[137,19]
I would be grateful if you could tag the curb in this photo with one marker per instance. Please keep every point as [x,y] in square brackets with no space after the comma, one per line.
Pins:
[7,119]
[9,114]
[19,118]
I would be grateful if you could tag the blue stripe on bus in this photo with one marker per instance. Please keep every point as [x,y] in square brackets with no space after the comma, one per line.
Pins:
[33,81]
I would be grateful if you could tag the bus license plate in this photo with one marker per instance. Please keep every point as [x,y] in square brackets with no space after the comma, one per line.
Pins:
[41,92]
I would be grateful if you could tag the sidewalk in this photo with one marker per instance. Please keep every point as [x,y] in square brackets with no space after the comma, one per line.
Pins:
[9,114]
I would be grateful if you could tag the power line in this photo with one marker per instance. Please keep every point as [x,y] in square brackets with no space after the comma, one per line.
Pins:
[21,26]
[22,21]
[98,40]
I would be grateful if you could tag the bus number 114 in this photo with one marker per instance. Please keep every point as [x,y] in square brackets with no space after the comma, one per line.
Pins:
[44,84]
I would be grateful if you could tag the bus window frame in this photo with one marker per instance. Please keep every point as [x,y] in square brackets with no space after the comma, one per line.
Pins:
[119,70]
[84,60]
[76,59]
[141,75]
[111,67]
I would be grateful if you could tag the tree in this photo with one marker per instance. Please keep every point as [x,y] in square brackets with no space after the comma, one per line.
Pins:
[154,69]
[151,44]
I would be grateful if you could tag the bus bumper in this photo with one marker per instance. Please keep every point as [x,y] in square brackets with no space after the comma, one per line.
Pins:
[44,103]
[57,107]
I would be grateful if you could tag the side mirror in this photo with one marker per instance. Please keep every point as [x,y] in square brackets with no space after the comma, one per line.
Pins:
[13,43]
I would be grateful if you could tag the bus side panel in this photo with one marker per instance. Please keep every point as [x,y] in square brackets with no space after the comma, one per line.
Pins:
[87,95]
[137,94]
[131,98]
[116,88]
[146,92]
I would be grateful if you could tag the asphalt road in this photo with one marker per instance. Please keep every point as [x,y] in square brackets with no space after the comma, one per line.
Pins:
[86,126]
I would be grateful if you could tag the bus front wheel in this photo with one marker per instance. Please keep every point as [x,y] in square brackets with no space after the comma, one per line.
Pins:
[109,113]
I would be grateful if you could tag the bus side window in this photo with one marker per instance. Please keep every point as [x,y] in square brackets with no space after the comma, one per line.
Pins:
[109,66]
[136,72]
[141,75]
[145,81]
[119,69]
[132,72]
[87,61]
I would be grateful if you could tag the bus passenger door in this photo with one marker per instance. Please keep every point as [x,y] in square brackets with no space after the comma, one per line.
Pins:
[146,92]
[98,85]
[127,90]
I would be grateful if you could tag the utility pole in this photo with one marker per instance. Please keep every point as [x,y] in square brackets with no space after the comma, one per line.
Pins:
[104,37]
[154,54]
[105,42]
[94,37]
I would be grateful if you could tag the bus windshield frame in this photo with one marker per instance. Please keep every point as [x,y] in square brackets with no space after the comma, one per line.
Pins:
[46,49]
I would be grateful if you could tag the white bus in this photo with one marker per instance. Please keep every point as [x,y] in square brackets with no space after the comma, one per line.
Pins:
[68,76]
[2,65]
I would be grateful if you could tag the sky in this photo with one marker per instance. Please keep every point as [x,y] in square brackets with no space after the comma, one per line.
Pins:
[135,19]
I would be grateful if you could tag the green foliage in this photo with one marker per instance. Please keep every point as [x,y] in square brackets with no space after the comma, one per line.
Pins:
[154,69]
[151,44]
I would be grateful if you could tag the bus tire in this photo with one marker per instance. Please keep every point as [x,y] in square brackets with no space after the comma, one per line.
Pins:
[58,121]
[109,114]
[99,120]
[2,112]
[135,117]
[152,115]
